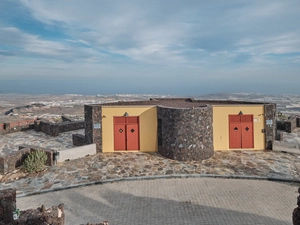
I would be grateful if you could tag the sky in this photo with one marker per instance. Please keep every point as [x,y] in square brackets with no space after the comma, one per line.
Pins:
[149,46]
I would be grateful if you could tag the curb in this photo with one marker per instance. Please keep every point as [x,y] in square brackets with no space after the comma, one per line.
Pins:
[171,176]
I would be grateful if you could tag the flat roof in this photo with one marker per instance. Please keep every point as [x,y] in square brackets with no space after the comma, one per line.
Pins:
[181,102]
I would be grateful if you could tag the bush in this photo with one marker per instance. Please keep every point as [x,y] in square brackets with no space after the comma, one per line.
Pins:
[35,161]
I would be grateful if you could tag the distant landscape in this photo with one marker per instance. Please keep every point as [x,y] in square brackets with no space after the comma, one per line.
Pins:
[16,106]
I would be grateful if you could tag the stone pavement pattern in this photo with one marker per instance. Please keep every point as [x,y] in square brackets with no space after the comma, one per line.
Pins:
[204,201]
[112,166]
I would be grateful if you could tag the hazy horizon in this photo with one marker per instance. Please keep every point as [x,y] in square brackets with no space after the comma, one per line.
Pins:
[60,87]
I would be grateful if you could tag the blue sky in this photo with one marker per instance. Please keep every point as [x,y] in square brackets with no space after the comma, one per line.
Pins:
[153,46]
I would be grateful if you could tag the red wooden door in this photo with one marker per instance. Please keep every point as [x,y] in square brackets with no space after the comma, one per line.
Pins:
[235,135]
[132,132]
[126,133]
[247,135]
[120,137]
[241,131]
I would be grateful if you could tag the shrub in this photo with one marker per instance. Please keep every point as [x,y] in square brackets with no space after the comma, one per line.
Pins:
[35,161]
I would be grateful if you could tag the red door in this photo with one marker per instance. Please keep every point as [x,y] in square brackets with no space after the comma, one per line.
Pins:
[235,135]
[132,131]
[247,135]
[126,133]
[241,131]
[120,137]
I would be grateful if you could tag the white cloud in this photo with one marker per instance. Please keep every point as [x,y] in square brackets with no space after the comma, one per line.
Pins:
[192,37]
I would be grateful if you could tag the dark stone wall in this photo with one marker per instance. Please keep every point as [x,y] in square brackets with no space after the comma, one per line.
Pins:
[7,205]
[93,125]
[15,159]
[187,134]
[54,129]
[78,139]
[49,128]
[270,129]
[279,136]
[287,126]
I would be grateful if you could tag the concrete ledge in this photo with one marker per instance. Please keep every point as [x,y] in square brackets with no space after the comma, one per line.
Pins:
[290,147]
[78,152]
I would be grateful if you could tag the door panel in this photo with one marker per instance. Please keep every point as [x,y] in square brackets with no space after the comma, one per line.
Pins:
[119,120]
[247,135]
[234,118]
[132,119]
[235,135]
[132,132]
[119,137]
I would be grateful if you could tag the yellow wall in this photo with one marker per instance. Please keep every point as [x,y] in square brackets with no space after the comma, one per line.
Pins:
[221,124]
[147,122]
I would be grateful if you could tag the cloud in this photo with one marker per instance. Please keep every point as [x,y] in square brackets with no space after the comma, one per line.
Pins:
[192,37]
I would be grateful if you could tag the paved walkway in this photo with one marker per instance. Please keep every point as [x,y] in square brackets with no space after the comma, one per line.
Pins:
[108,167]
[190,201]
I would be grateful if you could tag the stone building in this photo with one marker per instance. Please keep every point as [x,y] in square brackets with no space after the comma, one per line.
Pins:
[178,128]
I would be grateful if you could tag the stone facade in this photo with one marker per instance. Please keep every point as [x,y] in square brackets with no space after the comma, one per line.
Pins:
[185,134]
[270,125]
[54,129]
[93,125]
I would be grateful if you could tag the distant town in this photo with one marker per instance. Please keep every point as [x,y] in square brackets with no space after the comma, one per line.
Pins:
[15,106]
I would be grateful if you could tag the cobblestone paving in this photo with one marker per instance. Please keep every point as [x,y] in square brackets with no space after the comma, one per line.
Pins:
[190,201]
[112,166]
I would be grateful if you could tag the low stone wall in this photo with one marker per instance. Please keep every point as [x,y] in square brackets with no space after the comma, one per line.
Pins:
[16,126]
[54,215]
[287,126]
[49,152]
[54,129]
[78,140]
[185,134]
[15,159]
